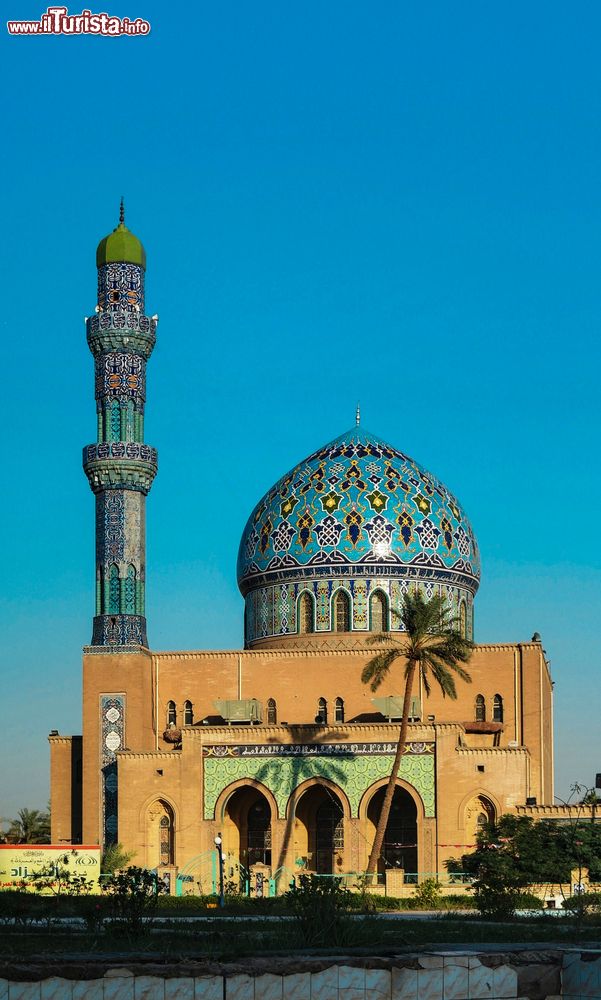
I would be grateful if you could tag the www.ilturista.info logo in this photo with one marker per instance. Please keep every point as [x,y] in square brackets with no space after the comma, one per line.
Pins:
[57,21]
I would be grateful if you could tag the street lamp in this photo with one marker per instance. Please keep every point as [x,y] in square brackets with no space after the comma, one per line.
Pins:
[219,846]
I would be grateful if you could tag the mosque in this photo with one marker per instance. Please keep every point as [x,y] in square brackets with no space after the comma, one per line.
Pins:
[279,748]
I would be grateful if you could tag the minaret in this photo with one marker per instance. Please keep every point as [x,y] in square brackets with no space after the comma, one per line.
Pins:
[120,467]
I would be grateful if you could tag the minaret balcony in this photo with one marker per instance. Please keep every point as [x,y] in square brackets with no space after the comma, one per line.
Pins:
[118,465]
[121,331]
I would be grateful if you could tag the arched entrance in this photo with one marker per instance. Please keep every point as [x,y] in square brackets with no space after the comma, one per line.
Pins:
[399,849]
[319,830]
[247,827]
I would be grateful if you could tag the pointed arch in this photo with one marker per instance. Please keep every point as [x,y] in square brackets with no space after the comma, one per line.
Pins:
[306,612]
[497,708]
[272,712]
[160,834]
[378,612]
[480,708]
[224,797]
[114,591]
[171,713]
[341,606]
[322,712]
[188,714]
[490,801]
[476,813]
[339,710]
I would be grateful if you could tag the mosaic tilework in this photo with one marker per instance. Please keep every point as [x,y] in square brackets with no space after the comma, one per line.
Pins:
[110,527]
[120,375]
[112,726]
[107,331]
[121,287]
[354,771]
[358,502]
[276,606]
[120,449]
[119,630]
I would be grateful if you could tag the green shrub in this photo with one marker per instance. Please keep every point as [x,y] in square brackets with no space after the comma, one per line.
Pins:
[427,894]
[132,900]
[321,908]
[528,901]
[583,902]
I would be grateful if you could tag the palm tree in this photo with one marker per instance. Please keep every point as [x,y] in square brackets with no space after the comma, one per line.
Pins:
[30,827]
[115,858]
[431,645]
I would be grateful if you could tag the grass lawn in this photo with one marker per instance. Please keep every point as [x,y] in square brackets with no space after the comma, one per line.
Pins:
[218,939]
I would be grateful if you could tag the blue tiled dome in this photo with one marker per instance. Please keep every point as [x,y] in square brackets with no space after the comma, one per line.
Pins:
[354,505]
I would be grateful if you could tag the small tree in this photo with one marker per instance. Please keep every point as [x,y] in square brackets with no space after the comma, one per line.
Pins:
[516,852]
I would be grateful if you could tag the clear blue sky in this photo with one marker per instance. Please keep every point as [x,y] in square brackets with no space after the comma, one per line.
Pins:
[399,203]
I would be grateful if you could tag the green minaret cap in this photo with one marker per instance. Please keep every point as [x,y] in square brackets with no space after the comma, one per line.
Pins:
[121,246]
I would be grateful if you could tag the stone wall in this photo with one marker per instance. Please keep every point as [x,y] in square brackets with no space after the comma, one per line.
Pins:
[572,974]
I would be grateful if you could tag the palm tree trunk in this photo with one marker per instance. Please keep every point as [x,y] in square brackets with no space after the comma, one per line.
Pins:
[387,803]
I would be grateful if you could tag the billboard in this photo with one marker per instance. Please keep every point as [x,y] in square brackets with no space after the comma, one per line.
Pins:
[22,864]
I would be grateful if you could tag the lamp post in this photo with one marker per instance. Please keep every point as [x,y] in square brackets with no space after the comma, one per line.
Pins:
[219,846]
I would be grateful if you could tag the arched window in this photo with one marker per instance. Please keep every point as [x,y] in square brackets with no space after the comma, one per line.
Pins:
[272,712]
[188,714]
[463,619]
[171,714]
[478,814]
[160,836]
[166,840]
[130,591]
[322,711]
[114,590]
[342,612]
[305,612]
[378,612]
[480,708]
[497,708]
[339,710]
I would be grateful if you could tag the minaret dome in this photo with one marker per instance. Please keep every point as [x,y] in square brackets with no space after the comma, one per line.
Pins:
[121,246]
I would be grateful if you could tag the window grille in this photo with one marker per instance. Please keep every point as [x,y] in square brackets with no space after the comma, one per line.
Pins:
[378,606]
[342,612]
[305,612]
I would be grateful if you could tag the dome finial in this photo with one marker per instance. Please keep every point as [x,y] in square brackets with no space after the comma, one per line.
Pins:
[358,415]
[121,212]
